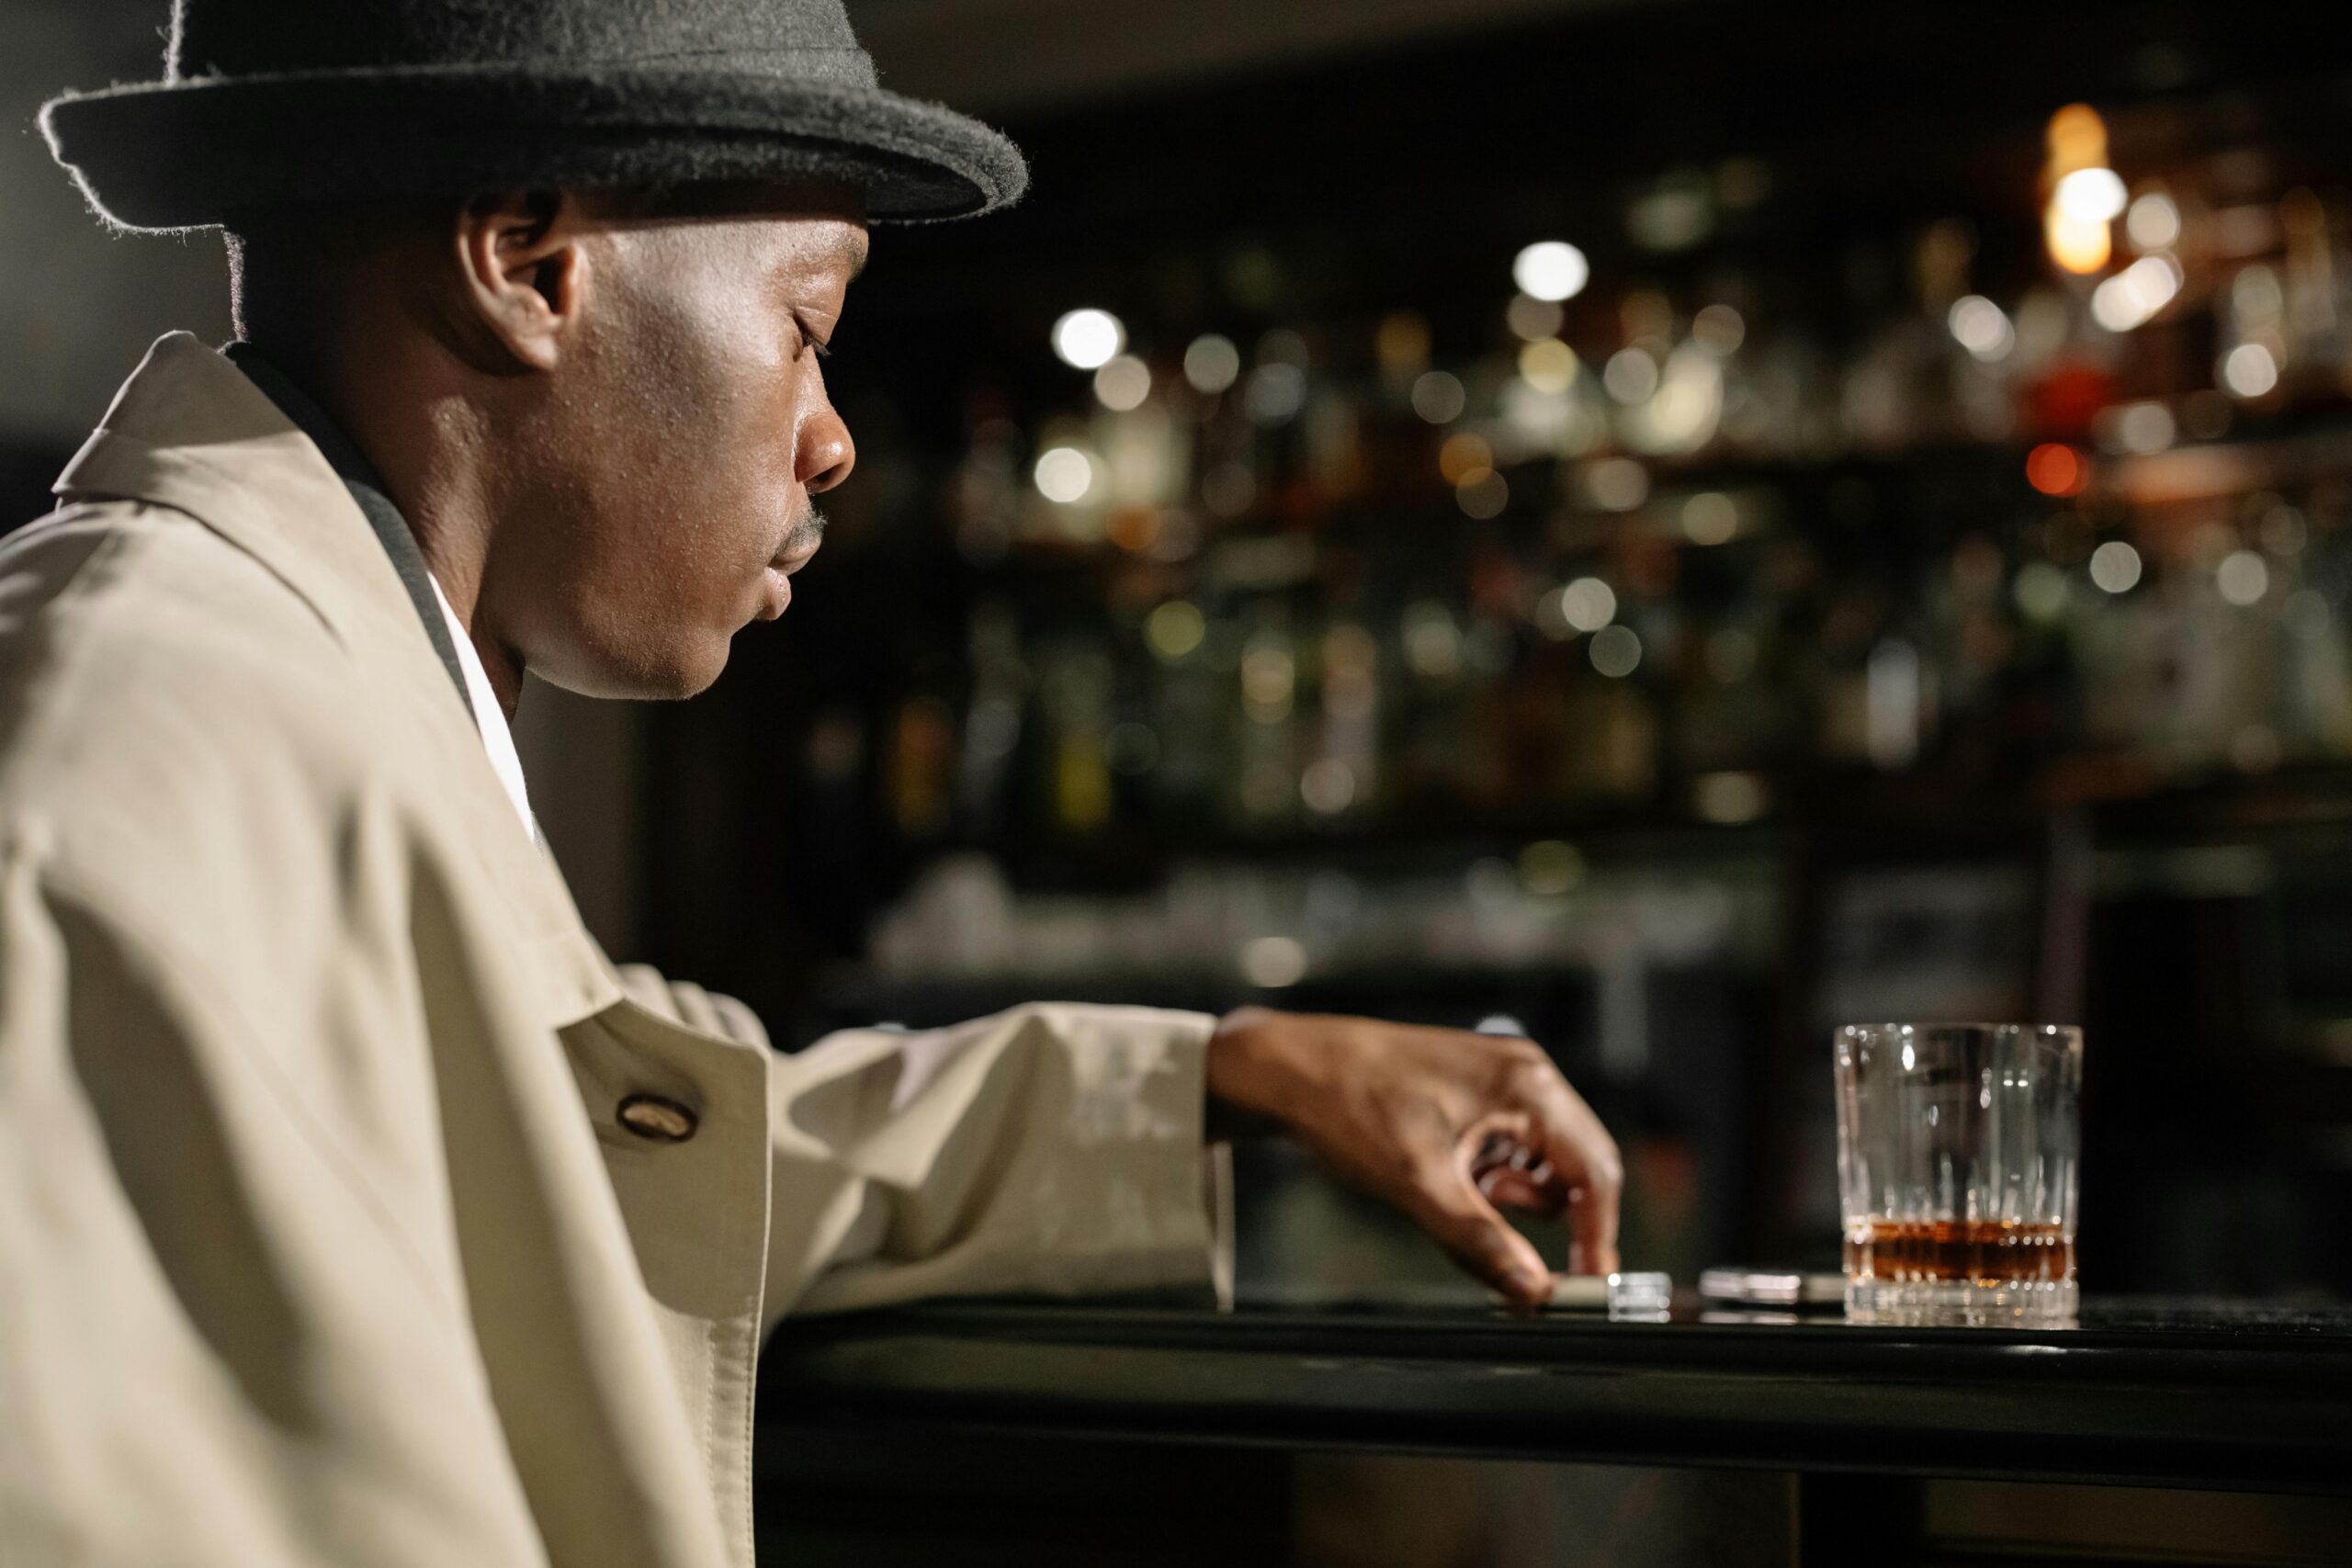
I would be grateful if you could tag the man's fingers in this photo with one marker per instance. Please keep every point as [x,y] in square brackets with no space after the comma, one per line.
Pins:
[1542,1195]
[1460,1219]
[1584,1160]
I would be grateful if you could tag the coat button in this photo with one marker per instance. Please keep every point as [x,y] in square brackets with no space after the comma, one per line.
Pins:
[652,1117]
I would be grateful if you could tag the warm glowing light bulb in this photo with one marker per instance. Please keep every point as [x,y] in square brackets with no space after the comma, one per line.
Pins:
[2078,245]
[2091,196]
[2078,139]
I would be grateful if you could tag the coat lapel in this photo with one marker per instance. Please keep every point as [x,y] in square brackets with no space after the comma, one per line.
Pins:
[188,431]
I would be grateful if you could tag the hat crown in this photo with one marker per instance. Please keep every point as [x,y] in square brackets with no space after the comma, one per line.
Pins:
[811,39]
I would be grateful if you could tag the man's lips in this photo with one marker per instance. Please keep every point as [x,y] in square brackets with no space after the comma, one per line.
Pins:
[776,591]
[776,579]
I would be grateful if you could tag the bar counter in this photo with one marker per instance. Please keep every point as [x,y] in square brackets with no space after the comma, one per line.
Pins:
[2204,1395]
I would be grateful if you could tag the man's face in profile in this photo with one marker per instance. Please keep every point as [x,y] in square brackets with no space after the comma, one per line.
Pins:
[675,450]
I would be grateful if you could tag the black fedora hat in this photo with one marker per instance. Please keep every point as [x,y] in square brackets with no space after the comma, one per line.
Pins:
[266,104]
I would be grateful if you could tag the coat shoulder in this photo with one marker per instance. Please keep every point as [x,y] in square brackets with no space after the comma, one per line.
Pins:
[159,686]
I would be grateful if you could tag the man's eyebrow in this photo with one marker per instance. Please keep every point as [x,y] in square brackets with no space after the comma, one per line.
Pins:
[858,252]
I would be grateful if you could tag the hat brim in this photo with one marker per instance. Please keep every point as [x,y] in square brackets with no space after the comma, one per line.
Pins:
[163,156]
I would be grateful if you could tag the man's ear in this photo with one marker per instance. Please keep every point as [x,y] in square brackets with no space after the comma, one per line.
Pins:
[522,272]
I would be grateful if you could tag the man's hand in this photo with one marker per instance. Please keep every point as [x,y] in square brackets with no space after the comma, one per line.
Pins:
[1442,1124]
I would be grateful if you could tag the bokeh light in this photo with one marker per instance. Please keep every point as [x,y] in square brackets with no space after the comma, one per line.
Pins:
[1064,474]
[1530,319]
[1631,375]
[2242,578]
[2115,567]
[2249,370]
[1718,329]
[1175,629]
[2079,245]
[1550,867]
[1437,397]
[1548,364]
[1615,652]
[2153,222]
[1617,484]
[1327,786]
[1463,455]
[1729,798]
[1710,517]
[2135,294]
[1482,495]
[1401,342]
[2090,196]
[1212,362]
[2145,427]
[2056,469]
[1274,393]
[1981,327]
[2041,591]
[1123,383]
[1551,270]
[1086,339]
[1432,641]
[1588,604]
[1272,963]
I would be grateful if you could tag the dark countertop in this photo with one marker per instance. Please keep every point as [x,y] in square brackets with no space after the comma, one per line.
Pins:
[2230,1395]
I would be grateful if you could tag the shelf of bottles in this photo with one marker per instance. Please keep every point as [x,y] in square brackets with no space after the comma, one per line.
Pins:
[1652,555]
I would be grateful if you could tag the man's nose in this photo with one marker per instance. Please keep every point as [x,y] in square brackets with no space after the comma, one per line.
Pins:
[827,454]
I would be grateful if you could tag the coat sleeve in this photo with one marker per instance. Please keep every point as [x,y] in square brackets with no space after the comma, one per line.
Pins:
[1056,1148]
[224,1341]
[1053,1148]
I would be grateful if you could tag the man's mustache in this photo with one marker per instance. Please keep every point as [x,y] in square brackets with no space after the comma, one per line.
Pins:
[804,535]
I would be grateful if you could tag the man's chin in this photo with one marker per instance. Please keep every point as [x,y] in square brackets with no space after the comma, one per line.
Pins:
[643,674]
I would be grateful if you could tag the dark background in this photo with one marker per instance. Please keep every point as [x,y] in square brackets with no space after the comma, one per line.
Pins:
[1247,170]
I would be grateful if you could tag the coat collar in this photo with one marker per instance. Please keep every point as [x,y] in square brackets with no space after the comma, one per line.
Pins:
[188,431]
[367,493]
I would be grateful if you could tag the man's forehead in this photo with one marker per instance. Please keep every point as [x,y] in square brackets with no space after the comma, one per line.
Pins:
[820,243]
[826,219]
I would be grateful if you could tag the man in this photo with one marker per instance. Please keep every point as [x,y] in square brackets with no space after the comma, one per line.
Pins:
[353,1208]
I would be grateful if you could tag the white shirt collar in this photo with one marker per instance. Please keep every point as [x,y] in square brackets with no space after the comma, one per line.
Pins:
[489,717]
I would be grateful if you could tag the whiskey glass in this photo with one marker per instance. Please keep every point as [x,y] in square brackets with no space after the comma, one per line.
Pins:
[1958,1155]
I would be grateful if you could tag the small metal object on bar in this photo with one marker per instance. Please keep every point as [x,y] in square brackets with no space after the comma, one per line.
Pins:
[1772,1286]
[1643,1295]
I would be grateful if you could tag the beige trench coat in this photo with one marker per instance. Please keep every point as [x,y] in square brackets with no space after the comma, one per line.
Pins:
[320,1240]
